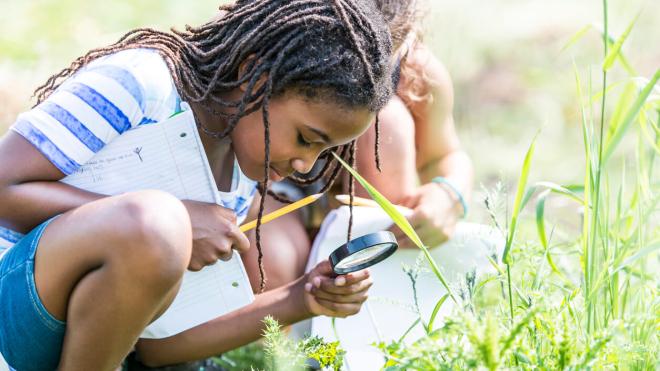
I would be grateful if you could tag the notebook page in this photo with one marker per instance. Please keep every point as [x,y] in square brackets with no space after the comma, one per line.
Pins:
[164,156]
[204,296]
[169,156]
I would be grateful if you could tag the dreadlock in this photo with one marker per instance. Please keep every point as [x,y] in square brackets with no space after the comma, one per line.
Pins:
[330,50]
[402,17]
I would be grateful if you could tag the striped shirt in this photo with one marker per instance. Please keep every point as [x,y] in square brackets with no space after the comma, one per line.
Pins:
[103,100]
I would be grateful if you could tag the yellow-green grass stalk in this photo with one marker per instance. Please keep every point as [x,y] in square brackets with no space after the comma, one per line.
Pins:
[517,207]
[606,240]
[400,221]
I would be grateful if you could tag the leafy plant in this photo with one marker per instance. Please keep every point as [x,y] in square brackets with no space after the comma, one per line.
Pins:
[535,313]
[284,354]
[400,221]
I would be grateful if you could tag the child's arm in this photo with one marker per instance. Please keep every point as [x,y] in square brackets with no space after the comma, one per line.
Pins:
[439,149]
[436,205]
[53,139]
[29,189]
[419,140]
[316,293]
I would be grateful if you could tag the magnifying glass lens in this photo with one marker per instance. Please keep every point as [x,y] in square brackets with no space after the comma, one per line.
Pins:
[363,252]
[363,256]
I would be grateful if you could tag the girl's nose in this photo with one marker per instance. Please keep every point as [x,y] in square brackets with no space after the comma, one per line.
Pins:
[302,166]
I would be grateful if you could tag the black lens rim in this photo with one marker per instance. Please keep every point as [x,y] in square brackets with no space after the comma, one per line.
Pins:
[361,243]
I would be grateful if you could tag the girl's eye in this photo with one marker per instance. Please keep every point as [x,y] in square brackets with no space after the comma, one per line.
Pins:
[302,141]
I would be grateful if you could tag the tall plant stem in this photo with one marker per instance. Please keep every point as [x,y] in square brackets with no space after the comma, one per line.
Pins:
[595,225]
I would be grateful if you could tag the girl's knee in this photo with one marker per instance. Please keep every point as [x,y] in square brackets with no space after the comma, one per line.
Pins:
[152,233]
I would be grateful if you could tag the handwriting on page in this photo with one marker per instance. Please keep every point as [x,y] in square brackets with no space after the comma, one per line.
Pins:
[168,156]
[144,158]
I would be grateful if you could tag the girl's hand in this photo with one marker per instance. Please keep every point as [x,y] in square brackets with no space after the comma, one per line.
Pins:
[435,214]
[215,234]
[335,296]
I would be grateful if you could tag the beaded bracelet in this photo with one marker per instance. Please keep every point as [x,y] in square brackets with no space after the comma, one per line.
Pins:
[461,199]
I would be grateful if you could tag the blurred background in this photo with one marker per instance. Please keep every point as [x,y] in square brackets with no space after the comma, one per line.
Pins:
[511,76]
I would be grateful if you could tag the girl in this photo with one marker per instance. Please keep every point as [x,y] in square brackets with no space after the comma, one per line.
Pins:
[423,167]
[419,143]
[86,273]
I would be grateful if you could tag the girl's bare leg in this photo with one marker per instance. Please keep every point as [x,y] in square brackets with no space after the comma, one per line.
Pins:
[108,269]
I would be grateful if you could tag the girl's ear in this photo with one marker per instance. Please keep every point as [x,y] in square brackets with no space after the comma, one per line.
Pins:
[243,69]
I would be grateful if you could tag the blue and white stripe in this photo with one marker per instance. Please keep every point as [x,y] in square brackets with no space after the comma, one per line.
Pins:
[8,238]
[240,197]
[124,78]
[108,97]
[98,103]
[49,149]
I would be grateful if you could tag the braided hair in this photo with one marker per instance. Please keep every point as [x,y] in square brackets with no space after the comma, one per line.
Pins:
[403,18]
[330,50]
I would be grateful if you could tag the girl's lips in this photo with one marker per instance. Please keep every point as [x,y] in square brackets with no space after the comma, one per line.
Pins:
[274,175]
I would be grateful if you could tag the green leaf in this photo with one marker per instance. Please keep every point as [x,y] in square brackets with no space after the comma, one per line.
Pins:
[522,183]
[613,142]
[436,309]
[616,48]
[540,219]
[622,58]
[400,221]
[410,328]
[618,114]
[556,188]
[638,255]
[576,37]
[540,227]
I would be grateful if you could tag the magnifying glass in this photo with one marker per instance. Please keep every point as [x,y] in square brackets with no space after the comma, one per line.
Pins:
[363,252]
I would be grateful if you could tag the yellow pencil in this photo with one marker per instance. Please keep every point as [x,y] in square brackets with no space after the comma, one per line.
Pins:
[359,201]
[279,212]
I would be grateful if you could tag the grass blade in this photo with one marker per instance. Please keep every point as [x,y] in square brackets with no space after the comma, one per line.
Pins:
[576,37]
[616,48]
[436,309]
[638,255]
[629,118]
[400,221]
[540,226]
[522,183]
[622,58]
[625,101]
[556,188]
[540,219]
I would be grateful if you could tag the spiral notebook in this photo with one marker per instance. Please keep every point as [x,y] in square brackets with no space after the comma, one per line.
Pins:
[169,156]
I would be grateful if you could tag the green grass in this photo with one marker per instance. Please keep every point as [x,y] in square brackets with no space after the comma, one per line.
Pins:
[609,315]
[578,285]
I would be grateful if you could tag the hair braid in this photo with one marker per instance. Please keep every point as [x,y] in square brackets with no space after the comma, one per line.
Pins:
[336,51]
[377,144]
[351,190]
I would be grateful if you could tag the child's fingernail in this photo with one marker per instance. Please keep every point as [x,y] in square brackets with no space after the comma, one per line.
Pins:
[340,281]
[317,282]
[308,287]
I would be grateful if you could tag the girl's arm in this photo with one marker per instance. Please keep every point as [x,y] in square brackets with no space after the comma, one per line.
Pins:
[316,293]
[29,189]
[436,205]
[30,193]
[439,151]
[418,142]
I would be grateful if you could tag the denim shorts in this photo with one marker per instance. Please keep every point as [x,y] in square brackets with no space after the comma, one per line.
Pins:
[30,337]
